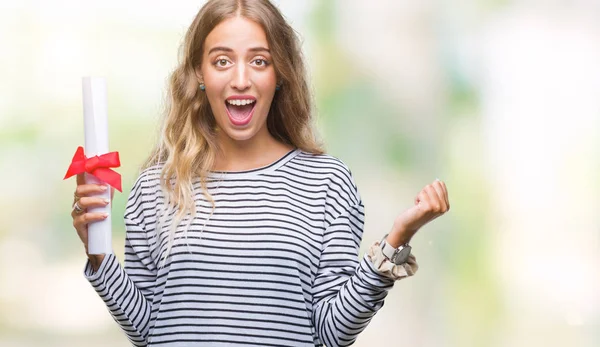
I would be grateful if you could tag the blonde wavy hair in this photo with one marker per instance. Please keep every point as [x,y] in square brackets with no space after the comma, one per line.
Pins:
[187,143]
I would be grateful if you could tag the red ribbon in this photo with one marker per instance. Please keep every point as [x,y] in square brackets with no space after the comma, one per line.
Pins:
[98,166]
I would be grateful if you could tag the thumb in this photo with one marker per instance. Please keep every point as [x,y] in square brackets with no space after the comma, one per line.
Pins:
[80,179]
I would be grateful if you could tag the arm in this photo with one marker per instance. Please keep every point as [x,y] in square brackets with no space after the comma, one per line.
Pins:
[128,292]
[346,294]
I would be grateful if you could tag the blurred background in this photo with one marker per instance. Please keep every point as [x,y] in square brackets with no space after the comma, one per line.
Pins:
[498,98]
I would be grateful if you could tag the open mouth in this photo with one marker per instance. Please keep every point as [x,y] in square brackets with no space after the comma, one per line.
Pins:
[240,110]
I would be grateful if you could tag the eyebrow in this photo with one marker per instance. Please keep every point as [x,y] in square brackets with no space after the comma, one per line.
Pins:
[227,49]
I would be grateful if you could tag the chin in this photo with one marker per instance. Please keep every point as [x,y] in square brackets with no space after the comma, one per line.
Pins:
[240,134]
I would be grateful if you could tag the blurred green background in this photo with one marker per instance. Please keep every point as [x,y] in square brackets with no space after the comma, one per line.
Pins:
[500,99]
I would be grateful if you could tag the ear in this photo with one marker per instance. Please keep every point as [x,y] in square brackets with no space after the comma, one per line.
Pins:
[198,72]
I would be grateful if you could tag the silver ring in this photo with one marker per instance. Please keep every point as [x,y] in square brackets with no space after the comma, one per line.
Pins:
[77,208]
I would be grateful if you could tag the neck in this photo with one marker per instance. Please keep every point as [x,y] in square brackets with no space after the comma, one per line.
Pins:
[248,154]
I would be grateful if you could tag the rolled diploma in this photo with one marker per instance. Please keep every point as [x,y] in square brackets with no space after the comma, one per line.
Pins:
[95,123]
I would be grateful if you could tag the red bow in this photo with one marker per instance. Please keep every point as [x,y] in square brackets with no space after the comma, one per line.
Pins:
[98,166]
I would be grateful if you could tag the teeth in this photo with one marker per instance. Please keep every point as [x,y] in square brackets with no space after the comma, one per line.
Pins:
[240,102]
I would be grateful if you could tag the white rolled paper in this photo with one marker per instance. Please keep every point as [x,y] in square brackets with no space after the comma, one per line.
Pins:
[95,123]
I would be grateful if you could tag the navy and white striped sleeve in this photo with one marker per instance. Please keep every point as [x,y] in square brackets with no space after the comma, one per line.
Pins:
[128,292]
[346,294]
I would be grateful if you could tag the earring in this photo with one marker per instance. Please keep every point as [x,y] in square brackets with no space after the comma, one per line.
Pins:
[277,87]
[202,87]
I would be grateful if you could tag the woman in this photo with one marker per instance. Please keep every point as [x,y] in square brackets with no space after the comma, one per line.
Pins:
[240,231]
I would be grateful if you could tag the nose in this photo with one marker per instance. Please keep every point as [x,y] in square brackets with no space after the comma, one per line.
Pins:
[241,79]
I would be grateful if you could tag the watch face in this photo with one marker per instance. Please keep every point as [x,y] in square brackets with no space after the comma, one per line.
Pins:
[402,255]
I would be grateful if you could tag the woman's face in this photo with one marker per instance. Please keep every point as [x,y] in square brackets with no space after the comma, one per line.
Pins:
[240,79]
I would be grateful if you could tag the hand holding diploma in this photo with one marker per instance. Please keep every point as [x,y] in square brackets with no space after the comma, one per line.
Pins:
[89,197]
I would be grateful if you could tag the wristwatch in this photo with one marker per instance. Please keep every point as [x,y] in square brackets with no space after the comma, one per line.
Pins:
[395,255]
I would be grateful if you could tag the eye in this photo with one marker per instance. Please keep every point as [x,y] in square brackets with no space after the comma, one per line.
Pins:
[260,62]
[222,62]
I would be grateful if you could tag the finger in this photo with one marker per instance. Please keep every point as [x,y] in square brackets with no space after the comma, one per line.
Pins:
[424,200]
[445,194]
[440,195]
[80,179]
[89,189]
[112,193]
[75,214]
[442,185]
[86,202]
[435,203]
[82,220]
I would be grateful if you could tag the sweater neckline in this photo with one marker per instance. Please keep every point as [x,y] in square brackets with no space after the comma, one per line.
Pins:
[256,171]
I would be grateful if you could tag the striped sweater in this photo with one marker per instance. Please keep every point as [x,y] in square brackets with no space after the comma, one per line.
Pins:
[275,265]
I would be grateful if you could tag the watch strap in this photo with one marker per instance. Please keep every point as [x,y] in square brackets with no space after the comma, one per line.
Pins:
[387,249]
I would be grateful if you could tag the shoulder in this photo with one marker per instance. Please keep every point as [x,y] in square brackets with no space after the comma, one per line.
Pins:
[322,161]
[148,179]
[150,175]
[332,170]
[322,164]
[144,194]
[146,185]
